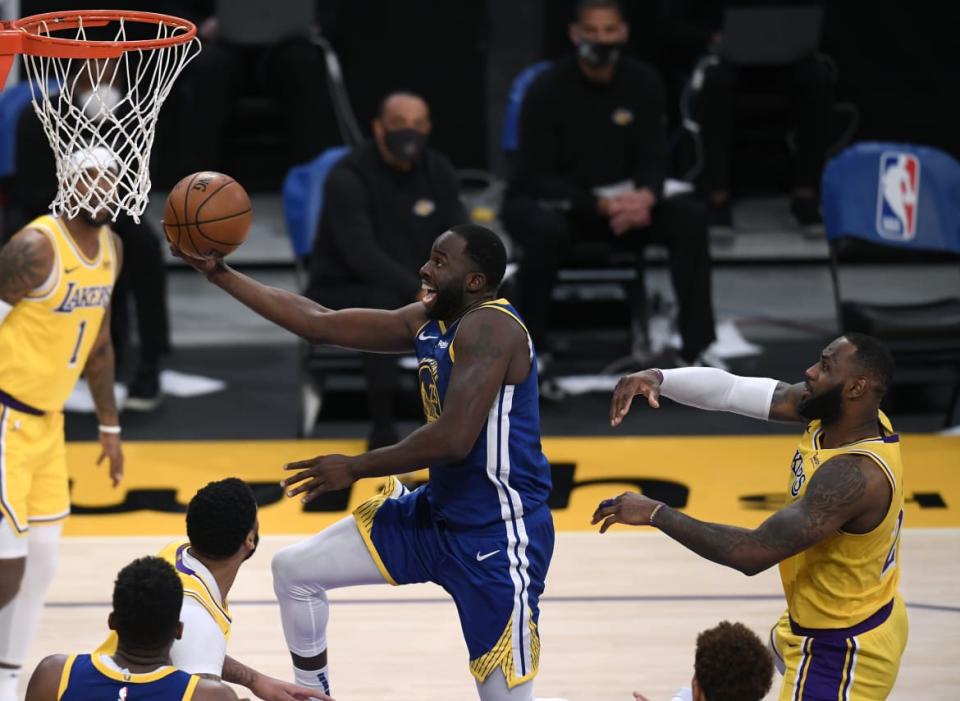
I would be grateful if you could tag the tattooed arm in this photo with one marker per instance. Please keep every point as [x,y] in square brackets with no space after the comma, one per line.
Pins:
[845,489]
[490,349]
[99,373]
[264,687]
[25,263]
[783,407]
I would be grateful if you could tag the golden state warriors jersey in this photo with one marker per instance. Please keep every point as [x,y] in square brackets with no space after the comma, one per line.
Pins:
[45,340]
[849,576]
[90,678]
[193,587]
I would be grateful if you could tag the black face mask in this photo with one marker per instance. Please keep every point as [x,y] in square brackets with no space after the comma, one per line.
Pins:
[826,407]
[404,144]
[256,544]
[599,54]
[99,220]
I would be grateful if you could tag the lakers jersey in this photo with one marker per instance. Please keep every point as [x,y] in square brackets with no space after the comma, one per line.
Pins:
[849,576]
[194,587]
[505,475]
[93,678]
[45,340]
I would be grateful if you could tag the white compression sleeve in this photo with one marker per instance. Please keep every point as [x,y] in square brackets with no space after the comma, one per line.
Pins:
[717,390]
[302,574]
[495,689]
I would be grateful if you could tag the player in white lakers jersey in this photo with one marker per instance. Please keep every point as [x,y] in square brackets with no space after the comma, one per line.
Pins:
[56,280]
[838,539]
[222,533]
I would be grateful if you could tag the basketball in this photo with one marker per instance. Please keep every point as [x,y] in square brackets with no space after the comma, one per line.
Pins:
[207,213]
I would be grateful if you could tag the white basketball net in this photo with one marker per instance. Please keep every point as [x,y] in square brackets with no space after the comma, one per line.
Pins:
[100,116]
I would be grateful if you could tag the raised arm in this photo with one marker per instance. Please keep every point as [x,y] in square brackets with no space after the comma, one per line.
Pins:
[375,330]
[25,263]
[489,346]
[845,488]
[709,389]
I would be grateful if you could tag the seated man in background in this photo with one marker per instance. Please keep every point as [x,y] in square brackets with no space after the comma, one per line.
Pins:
[146,617]
[731,664]
[223,533]
[591,165]
[384,204]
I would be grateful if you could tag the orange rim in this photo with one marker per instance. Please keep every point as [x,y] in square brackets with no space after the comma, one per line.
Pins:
[32,41]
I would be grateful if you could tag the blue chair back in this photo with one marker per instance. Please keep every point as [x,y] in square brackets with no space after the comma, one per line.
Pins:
[303,198]
[899,195]
[13,100]
[510,132]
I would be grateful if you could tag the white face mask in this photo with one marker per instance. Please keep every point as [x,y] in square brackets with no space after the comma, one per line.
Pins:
[98,104]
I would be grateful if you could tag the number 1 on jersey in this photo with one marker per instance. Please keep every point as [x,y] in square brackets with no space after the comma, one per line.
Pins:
[76,348]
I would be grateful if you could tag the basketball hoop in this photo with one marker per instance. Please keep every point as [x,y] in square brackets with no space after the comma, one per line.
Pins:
[98,92]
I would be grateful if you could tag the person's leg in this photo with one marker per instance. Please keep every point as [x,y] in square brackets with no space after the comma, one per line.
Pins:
[681,225]
[296,75]
[495,688]
[716,110]
[204,96]
[545,237]
[811,87]
[381,372]
[144,268]
[376,544]
[47,504]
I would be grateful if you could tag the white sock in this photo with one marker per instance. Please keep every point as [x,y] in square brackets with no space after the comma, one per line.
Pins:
[313,678]
[20,618]
[8,684]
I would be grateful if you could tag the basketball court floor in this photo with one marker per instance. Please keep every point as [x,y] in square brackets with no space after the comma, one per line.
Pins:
[621,611]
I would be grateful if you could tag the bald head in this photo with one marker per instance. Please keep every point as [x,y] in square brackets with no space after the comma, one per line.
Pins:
[404,109]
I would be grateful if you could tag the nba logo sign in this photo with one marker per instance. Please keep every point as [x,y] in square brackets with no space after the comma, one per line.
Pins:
[898,196]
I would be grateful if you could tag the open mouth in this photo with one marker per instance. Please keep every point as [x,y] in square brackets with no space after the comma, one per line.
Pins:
[429,295]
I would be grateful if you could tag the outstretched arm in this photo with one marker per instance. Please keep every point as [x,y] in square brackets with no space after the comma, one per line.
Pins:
[709,389]
[264,687]
[486,344]
[374,330]
[844,488]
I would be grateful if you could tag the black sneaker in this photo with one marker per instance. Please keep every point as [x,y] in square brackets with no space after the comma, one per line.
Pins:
[806,210]
[144,392]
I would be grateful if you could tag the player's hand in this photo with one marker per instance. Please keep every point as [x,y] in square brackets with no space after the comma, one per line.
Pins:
[270,689]
[111,450]
[319,475]
[630,508]
[206,265]
[646,382]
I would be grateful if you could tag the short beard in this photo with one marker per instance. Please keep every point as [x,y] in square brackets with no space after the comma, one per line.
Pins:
[449,301]
[827,406]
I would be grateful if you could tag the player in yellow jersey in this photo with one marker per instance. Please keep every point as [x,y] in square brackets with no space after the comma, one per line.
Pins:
[837,540]
[146,605]
[56,280]
[222,533]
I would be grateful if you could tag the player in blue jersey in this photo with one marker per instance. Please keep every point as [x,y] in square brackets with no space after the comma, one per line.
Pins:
[147,598]
[481,527]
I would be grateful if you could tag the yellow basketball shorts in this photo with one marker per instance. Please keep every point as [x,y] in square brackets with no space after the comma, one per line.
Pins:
[852,664]
[34,483]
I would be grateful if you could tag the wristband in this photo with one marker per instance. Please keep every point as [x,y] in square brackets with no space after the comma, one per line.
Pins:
[654,512]
[114,430]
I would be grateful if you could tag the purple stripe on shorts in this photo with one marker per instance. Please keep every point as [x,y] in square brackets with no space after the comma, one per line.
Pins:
[825,664]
